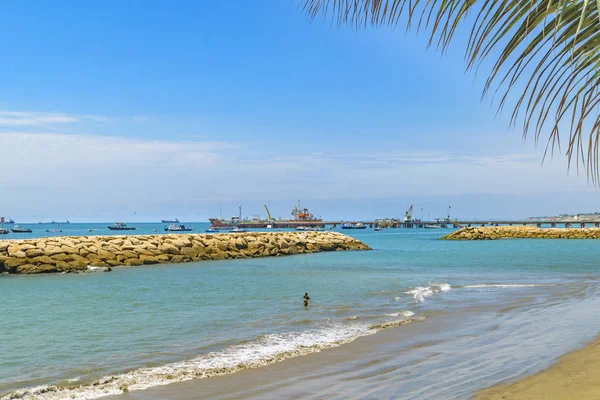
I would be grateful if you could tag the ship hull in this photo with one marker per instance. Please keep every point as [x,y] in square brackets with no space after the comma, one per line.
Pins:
[112,228]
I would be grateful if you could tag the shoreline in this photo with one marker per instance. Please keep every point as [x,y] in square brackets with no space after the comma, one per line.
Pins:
[576,375]
[68,254]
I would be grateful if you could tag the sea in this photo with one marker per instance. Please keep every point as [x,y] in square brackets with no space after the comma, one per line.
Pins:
[454,317]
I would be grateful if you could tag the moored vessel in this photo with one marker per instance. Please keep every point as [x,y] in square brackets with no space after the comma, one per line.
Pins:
[178,228]
[3,231]
[356,225]
[300,217]
[119,226]
[20,229]
[170,221]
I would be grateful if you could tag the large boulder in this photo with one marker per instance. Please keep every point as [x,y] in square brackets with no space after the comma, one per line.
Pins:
[167,248]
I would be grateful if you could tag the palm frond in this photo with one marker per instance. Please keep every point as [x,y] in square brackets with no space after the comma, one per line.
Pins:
[549,50]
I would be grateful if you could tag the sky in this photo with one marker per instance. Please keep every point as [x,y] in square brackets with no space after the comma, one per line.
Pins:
[145,109]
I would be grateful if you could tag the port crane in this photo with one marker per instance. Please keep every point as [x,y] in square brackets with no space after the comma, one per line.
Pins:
[408,215]
[269,218]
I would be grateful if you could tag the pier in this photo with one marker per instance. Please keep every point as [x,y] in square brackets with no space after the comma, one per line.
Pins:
[445,223]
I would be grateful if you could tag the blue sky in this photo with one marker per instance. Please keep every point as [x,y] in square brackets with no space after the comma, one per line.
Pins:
[176,109]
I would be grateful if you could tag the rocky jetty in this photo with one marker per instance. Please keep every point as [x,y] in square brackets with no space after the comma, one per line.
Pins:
[99,253]
[523,232]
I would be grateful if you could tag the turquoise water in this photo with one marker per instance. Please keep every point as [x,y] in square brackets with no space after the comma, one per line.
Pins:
[149,326]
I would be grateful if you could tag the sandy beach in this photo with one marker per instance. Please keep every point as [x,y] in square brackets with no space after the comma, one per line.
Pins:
[575,376]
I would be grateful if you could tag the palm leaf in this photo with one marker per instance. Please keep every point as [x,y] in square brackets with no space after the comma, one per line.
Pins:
[548,50]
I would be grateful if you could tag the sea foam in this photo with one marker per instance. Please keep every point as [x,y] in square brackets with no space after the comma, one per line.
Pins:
[421,292]
[261,352]
[493,285]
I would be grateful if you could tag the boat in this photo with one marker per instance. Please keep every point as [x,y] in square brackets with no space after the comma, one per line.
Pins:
[119,226]
[357,225]
[57,223]
[9,222]
[178,228]
[54,230]
[301,228]
[169,221]
[431,226]
[3,231]
[20,229]
[377,228]
[237,229]
[211,229]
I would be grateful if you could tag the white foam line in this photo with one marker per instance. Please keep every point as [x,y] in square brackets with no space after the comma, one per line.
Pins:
[421,292]
[264,351]
[490,285]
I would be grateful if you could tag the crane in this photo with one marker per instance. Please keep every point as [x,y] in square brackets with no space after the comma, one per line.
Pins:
[268,213]
[408,215]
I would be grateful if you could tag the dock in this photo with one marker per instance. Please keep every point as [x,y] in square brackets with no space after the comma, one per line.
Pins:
[438,223]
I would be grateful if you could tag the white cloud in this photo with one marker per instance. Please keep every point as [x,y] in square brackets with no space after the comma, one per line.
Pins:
[23,118]
[86,173]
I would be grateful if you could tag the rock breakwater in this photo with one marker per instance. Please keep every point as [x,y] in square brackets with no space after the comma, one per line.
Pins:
[78,254]
[522,232]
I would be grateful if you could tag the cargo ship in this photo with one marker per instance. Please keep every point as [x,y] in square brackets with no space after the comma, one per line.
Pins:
[300,217]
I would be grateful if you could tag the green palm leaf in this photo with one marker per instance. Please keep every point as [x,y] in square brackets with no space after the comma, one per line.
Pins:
[548,50]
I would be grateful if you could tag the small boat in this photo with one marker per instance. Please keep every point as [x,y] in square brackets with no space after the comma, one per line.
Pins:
[63,222]
[237,229]
[301,228]
[119,226]
[169,221]
[54,230]
[178,228]
[211,229]
[377,229]
[357,225]
[431,226]
[3,231]
[20,229]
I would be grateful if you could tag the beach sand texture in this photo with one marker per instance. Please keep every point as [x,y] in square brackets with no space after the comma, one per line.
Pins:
[575,376]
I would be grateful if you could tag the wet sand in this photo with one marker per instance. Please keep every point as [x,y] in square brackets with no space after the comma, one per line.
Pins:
[307,377]
[575,376]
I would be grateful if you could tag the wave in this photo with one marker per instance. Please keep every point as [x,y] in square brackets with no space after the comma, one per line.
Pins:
[507,285]
[421,292]
[404,314]
[264,351]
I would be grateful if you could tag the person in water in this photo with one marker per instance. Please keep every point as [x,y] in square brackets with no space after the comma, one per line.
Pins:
[306,299]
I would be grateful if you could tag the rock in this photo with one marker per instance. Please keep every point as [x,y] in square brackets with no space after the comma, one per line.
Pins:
[145,259]
[78,265]
[167,248]
[133,262]
[36,269]
[43,260]
[52,250]
[35,252]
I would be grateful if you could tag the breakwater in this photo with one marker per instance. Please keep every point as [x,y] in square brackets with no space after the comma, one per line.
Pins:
[522,232]
[85,253]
